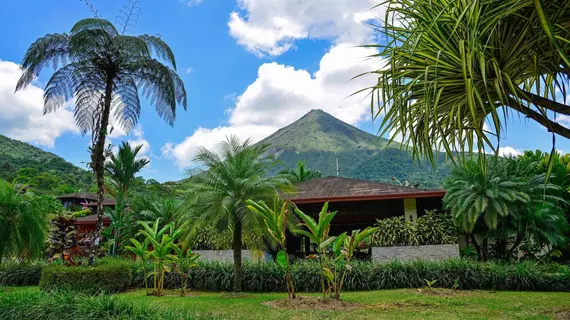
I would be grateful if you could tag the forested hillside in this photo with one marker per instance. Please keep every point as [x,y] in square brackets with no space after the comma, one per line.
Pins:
[46,172]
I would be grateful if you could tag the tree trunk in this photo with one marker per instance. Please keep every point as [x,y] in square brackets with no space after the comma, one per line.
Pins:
[236,246]
[98,162]
[476,245]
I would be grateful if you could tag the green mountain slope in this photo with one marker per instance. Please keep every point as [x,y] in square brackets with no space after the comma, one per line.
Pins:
[320,139]
[24,163]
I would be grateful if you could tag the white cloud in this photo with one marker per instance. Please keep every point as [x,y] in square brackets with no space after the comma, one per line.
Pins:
[191,3]
[509,152]
[184,152]
[136,139]
[281,94]
[21,113]
[271,27]
[188,70]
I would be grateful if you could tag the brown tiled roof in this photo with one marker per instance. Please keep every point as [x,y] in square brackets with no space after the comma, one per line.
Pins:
[91,219]
[83,196]
[346,189]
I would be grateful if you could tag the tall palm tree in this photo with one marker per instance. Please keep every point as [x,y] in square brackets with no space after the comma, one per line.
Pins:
[23,223]
[103,71]
[301,173]
[236,174]
[452,65]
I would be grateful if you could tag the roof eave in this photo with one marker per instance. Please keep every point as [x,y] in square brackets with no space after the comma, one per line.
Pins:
[388,196]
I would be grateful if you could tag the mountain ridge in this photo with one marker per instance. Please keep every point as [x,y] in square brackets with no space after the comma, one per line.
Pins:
[319,139]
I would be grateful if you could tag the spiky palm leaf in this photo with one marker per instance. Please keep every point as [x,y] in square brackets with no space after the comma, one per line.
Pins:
[453,65]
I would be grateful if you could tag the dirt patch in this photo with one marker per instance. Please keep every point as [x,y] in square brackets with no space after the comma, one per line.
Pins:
[314,303]
[562,315]
[231,295]
[403,305]
[440,292]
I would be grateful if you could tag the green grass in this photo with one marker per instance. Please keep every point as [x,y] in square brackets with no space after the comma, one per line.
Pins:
[387,304]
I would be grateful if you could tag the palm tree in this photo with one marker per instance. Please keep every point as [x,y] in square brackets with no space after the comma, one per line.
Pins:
[452,65]
[122,168]
[23,223]
[230,178]
[301,173]
[103,70]
[480,196]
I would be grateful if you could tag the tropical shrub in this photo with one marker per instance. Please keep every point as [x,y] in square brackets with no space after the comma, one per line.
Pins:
[365,276]
[431,228]
[107,275]
[335,269]
[17,274]
[73,306]
[276,223]
[62,237]
[159,247]
[23,223]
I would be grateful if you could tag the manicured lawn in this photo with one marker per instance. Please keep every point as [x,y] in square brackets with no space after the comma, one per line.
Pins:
[388,304]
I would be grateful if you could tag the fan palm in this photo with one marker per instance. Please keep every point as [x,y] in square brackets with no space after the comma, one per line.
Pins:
[452,65]
[301,173]
[103,71]
[230,178]
[23,224]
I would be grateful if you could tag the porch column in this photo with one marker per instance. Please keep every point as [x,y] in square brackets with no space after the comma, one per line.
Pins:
[410,209]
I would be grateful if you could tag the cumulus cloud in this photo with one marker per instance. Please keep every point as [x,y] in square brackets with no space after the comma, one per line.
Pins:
[281,94]
[509,152]
[21,113]
[271,27]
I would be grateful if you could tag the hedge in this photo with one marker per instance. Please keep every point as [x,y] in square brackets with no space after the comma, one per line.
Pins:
[21,275]
[73,306]
[107,275]
[268,277]
[470,275]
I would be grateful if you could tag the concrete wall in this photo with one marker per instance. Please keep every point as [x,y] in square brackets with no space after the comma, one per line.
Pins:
[429,252]
[221,255]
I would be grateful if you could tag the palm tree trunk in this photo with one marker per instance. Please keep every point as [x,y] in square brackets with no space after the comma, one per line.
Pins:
[236,246]
[98,162]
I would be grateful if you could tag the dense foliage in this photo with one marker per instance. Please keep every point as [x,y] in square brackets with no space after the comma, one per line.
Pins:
[23,224]
[455,65]
[73,306]
[506,205]
[107,275]
[431,228]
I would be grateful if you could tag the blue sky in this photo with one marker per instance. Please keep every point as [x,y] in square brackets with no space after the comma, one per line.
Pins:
[249,68]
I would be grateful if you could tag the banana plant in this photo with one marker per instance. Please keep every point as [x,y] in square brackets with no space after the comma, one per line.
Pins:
[184,260]
[276,221]
[343,247]
[162,242]
[318,233]
[140,251]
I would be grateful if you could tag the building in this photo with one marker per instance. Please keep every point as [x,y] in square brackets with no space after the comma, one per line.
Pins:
[359,203]
[87,200]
